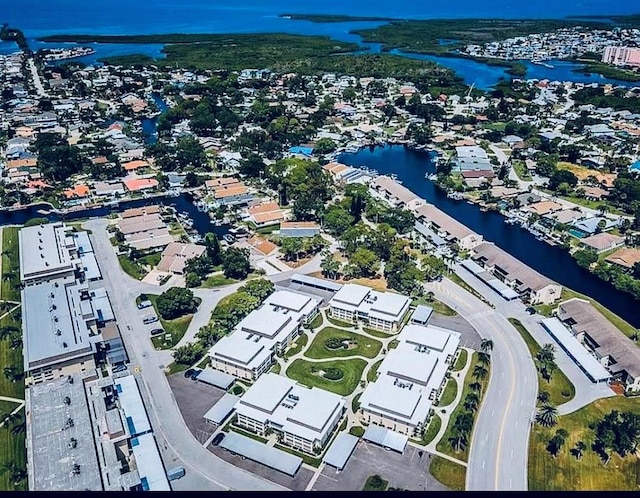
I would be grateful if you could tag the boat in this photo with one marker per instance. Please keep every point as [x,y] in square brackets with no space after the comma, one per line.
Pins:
[230,239]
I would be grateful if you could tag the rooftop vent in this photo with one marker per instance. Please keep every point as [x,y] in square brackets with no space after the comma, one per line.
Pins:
[75,470]
[64,345]
[58,332]
[67,400]
[73,442]
[70,379]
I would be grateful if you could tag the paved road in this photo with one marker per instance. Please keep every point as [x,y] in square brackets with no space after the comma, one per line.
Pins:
[170,425]
[37,82]
[499,444]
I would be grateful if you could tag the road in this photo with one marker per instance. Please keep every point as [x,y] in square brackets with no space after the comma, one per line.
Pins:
[148,366]
[37,82]
[500,440]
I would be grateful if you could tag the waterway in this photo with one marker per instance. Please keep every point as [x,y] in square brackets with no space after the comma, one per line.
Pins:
[149,125]
[182,203]
[552,261]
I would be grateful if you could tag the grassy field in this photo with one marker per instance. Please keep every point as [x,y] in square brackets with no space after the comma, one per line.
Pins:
[340,323]
[432,430]
[131,268]
[216,281]
[317,321]
[373,371]
[559,382]
[448,473]
[566,473]
[300,343]
[363,346]
[449,393]
[176,327]
[10,265]
[461,361]
[375,483]
[306,373]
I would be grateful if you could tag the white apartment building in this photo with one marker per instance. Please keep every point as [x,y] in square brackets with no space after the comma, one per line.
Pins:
[410,379]
[248,351]
[304,417]
[382,311]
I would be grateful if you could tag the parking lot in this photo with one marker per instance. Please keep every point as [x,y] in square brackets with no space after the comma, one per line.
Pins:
[297,483]
[469,337]
[407,471]
[194,400]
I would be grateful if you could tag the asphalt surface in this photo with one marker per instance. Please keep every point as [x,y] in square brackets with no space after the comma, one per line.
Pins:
[500,440]
[148,365]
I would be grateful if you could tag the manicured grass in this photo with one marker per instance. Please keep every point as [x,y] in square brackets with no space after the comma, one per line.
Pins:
[11,357]
[565,472]
[456,279]
[276,368]
[317,321]
[300,370]
[559,382]
[7,407]
[131,268]
[205,362]
[175,367]
[448,473]
[151,259]
[300,343]
[357,431]
[12,449]
[440,307]
[355,403]
[308,459]
[449,393]
[216,281]
[521,170]
[340,323]
[372,374]
[393,345]
[377,333]
[373,484]
[432,429]
[364,346]
[176,327]
[248,434]
[9,289]
[461,361]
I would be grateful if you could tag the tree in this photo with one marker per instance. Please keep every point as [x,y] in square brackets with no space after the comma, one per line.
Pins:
[212,245]
[554,445]
[547,415]
[236,263]
[209,334]
[480,372]
[330,267]
[252,166]
[234,308]
[562,176]
[13,374]
[192,280]
[260,288]
[433,267]
[544,397]
[324,146]
[484,358]
[475,387]
[585,257]
[176,302]
[291,248]
[458,441]
[578,450]
[364,263]
[486,345]
[471,402]
[188,354]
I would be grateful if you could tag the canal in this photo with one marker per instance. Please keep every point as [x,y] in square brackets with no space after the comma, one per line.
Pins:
[552,261]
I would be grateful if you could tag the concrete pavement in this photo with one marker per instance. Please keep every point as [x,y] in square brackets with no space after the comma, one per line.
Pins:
[148,366]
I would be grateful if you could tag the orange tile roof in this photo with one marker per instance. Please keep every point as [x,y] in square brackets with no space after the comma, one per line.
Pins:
[140,183]
[267,207]
[222,192]
[22,163]
[131,165]
[216,182]
[266,217]
[262,245]
[77,191]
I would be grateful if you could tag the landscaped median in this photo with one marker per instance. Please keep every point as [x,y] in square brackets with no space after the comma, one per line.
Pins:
[340,376]
[335,343]
[176,327]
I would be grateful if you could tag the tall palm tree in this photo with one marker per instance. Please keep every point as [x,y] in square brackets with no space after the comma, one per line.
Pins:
[484,358]
[471,402]
[475,387]
[547,416]
[464,423]
[486,345]
[458,441]
[480,372]
[544,397]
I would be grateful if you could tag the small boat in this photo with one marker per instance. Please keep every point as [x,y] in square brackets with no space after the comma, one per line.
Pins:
[229,238]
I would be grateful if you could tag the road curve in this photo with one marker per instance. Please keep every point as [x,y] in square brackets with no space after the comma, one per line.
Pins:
[500,441]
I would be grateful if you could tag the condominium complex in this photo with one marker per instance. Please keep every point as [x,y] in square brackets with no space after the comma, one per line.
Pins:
[622,56]
[248,351]
[305,418]
[410,379]
[382,311]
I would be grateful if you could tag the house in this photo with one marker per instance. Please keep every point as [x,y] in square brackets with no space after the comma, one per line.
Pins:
[262,246]
[77,192]
[430,220]
[395,194]
[108,189]
[176,254]
[592,225]
[544,207]
[299,229]
[137,184]
[268,213]
[602,242]
[625,257]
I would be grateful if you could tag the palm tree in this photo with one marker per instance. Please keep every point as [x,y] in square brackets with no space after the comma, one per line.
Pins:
[546,353]
[547,416]
[458,441]
[544,397]
[12,373]
[471,401]
[16,343]
[578,450]
[484,358]
[486,345]
[17,474]
[475,387]
[464,423]
[480,372]
[7,331]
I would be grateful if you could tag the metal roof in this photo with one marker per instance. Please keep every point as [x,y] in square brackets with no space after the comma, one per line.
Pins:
[385,437]
[216,378]
[503,289]
[221,410]
[472,266]
[340,451]
[131,403]
[592,367]
[421,314]
[261,453]
[149,465]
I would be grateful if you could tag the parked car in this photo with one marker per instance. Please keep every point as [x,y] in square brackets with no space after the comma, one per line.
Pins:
[531,310]
[218,439]
[157,331]
[189,372]
[149,319]
[144,304]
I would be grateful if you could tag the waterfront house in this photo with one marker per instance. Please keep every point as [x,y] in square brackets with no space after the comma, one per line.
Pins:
[394,193]
[625,258]
[175,256]
[602,242]
[261,246]
[592,225]
[429,220]
[265,214]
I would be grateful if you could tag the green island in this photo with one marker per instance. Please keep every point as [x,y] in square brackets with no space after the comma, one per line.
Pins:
[318,374]
[332,18]
[335,343]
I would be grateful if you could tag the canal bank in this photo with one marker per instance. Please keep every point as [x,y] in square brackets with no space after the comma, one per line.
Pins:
[410,166]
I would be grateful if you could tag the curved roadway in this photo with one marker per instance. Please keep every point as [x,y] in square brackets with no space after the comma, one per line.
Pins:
[500,441]
[148,366]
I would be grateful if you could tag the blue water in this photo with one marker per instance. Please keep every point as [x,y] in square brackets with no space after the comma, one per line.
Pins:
[554,262]
[45,17]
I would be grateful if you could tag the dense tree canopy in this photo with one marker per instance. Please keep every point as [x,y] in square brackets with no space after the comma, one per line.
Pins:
[176,302]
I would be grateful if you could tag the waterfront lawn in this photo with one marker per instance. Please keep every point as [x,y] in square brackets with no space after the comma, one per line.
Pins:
[559,382]
[461,361]
[10,287]
[448,473]
[359,345]
[300,343]
[565,472]
[306,373]
[432,430]
[372,374]
[449,392]
[176,327]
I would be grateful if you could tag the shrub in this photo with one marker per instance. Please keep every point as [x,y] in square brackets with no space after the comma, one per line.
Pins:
[333,374]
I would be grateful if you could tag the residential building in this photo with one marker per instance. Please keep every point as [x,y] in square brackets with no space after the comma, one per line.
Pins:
[430,220]
[268,213]
[304,417]
[602,242]
[144,228]
[382,311]
[176,254]
[299,229]
[621,56]
[47,251]
[625,257]
[395,194]
[410,379]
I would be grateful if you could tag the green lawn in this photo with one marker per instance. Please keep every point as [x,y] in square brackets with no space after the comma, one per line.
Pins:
[12,449]
[373,484]
[377,333]
[559,382]
[440,307]
[448,473]
[9,289]
[176,327]
[301,371]
[175,367]
[565,472]
[521,170]
[361,345]
[432,429]
[372,374]
[248,434]
[317,321]
[300,343]
[276,368]
[216,281]
[151,259]
[461,361]
[355,403]
[131,268]
[357,431]
[308,459]
[449,393]
[340,323]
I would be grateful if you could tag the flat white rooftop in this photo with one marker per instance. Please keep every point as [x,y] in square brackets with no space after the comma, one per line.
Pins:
[340,451]
[267,392]
[221,410]
[390,304]
[261,453]
[352,294]
[132,405]
[265,322]
[289,300]
[44,251]
[150,469]
[430,336]
[242,349]
[385,437]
